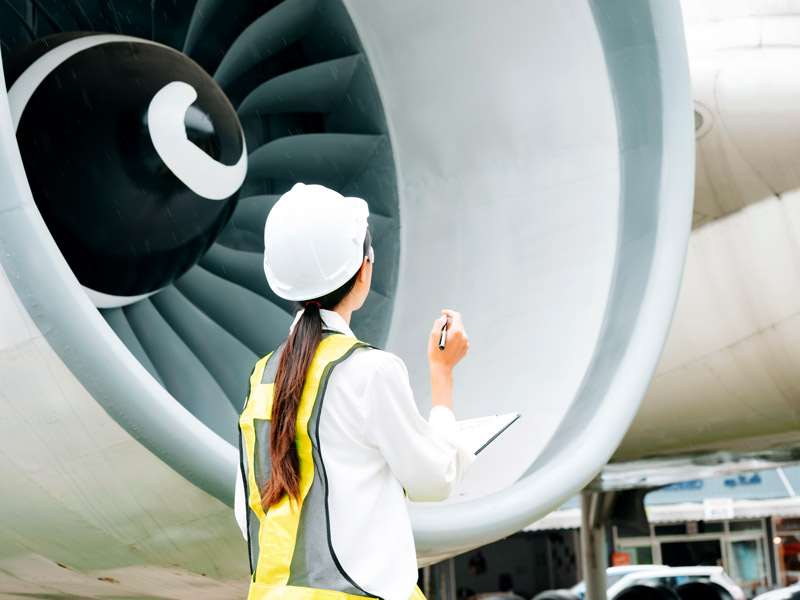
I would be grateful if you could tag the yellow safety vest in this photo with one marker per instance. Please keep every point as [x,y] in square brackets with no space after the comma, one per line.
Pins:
[291,555]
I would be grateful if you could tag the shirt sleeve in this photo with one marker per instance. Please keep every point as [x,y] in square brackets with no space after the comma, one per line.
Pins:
[427,458]
[239,503]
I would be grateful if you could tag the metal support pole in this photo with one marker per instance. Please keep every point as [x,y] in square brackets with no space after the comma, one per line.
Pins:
[442,568]
[593,546]
[449,567]
[427,582]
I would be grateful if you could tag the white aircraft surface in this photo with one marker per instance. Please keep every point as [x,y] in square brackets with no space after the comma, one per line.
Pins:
[726,388]
[531,164]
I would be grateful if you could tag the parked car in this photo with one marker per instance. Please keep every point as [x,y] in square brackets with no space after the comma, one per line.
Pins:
[613,575]
[788,593]
[619,578]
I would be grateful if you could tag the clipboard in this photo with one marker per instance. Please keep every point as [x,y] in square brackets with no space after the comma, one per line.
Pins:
[480,432]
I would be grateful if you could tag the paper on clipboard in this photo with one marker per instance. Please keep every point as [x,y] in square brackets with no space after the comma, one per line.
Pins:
[480,432]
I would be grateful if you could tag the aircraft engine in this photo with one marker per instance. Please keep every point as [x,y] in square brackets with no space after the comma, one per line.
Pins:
[133,153]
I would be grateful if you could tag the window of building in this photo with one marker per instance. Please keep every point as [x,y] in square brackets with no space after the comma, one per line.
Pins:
[691,553]
[640,555]
[746,563]
[753,525]
[628,532]
[710,527]
[787,546]
[676,529]
[788,525]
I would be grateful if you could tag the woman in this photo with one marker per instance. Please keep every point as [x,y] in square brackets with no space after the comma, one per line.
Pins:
[331,440]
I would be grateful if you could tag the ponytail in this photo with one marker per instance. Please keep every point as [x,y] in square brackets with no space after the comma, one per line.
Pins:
[290,378]
[289,381]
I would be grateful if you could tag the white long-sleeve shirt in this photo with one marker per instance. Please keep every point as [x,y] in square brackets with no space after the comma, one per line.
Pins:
[375,444]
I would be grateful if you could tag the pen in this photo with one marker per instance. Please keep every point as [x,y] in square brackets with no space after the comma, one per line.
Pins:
[443,339]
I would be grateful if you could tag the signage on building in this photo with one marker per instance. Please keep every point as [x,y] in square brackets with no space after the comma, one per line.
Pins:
[754,479]
[716,509]
[620,559]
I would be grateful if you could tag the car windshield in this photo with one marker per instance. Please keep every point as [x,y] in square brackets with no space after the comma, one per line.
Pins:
[579,589]
[612,579]
[672,580]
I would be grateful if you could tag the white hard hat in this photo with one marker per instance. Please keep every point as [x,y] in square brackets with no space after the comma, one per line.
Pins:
[313,241]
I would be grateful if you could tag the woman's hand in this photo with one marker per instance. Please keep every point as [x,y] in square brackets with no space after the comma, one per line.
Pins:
[443,361]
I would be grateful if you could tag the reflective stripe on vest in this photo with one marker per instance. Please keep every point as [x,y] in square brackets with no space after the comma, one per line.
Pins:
[291,555]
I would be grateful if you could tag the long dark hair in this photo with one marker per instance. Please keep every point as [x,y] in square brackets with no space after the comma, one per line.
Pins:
[299,351]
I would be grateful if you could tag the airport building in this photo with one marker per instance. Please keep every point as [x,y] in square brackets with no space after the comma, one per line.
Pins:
[747,523]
